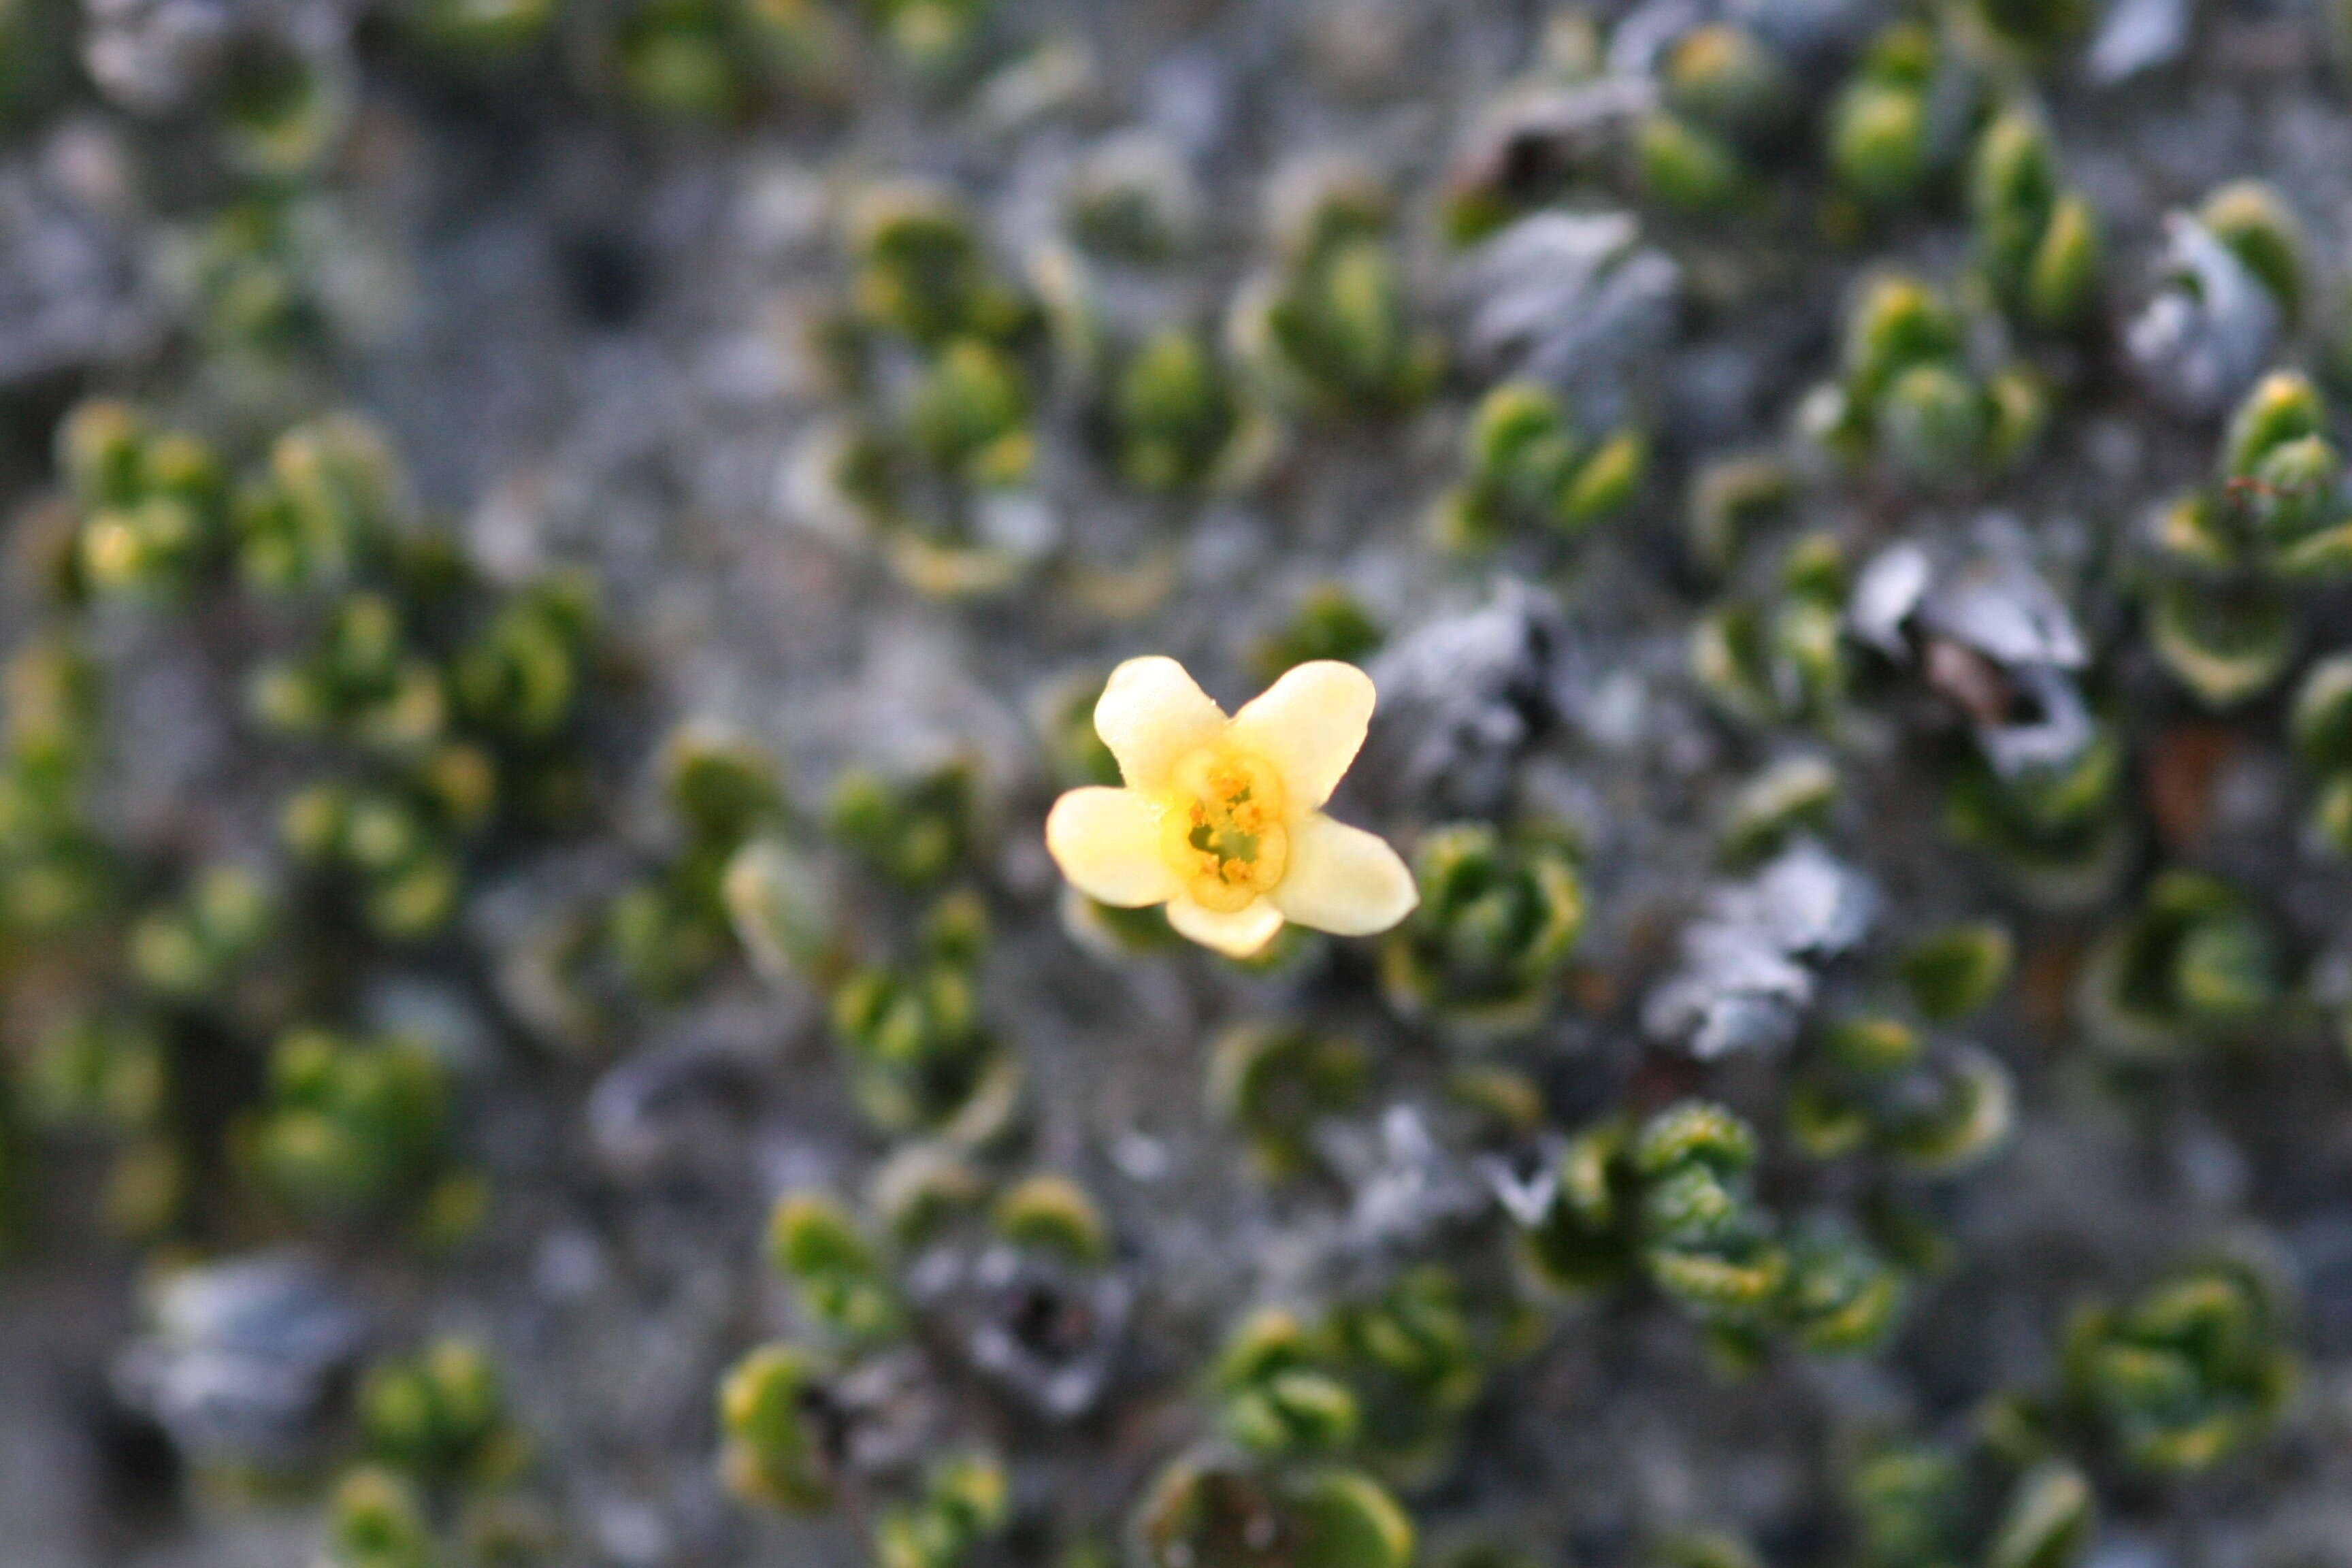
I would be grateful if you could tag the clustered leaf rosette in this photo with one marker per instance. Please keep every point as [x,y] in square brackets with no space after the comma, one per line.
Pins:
[1328,623]
[2192,1372]
[399,848]
[686,58]
[774,1448]
[55,868]
[364,683]
[714,60]
[155,504]
[438,708]
[376,1519]
[1732,500]
[1278,1397]
[1330,328]
[1958,970]
[322,511]
[1696,138]
[914,830]
[921,1058]
[2222,614]
[2037,242]
[2061,831]
[1500,915]
[95,1072]
[1275,1081]
[839,1281]
[1210,1509]
[106,1077]
[1175,416]
[1878,1082]
[1674,1200]
[1890,139]
[437,1483]
[2197,961]
[1723,93]
[674,925]
[1588,1238]
[1705,1241]
[1416,1356]
[2321,727]
[359,1128]
[739,882]
[933,38]
[257,273]
[1912,1503]
[1791,798]
[519,680]
[1913,400]
[186,950]
[964,1501]
[479,32]
[1528,470]
[1219,819]
[2189,1374]
[441,1417]
[1376,1387]
[451,711]
[1780,657]
[1274,1487]
[805,1425]
[281,107]
[2260,230]
[939,371]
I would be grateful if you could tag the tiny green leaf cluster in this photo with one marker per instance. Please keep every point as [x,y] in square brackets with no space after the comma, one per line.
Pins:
[2222,609]
[1673,1201]
[1528,470]
[1913,400]
[439,1483]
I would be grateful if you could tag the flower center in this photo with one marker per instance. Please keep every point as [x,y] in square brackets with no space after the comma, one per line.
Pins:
[1225,830]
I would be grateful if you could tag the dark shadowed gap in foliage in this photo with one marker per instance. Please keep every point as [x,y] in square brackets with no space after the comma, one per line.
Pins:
[1582,1086]
[495,103]
[1946,1352]
[1803,1536]
[30,413]
[606,276]
[1590,1542]
[214,1077]
[136,1473]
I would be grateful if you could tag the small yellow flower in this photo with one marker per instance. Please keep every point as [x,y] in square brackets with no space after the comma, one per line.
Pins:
[1219,819]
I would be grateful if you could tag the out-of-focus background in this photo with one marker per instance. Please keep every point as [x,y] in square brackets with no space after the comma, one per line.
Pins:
[557,552]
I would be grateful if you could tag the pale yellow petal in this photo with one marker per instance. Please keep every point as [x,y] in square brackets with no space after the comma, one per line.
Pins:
[1106,842]
[1151,714]
[1236,935]
[1343,880]
[1310,725]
